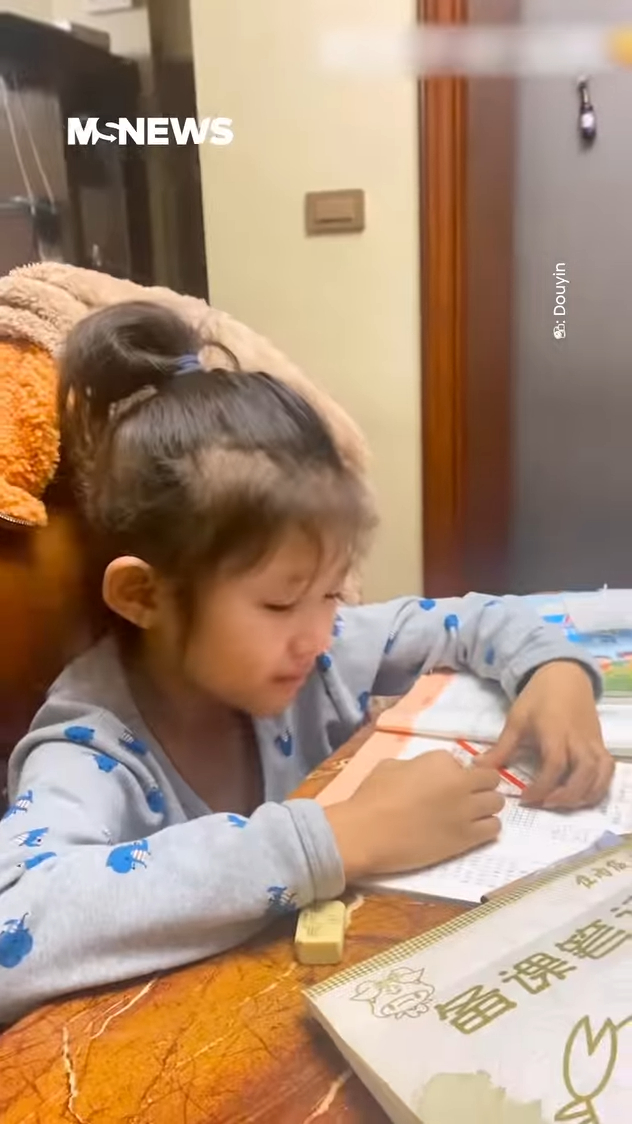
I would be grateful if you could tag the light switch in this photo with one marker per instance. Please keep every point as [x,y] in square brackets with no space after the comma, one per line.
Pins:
[96,7]
[334,212]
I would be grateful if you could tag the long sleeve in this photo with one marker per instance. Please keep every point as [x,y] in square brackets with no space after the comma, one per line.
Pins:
[381,649]
[93,891]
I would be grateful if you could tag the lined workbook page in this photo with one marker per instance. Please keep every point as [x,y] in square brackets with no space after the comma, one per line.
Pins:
[531,839]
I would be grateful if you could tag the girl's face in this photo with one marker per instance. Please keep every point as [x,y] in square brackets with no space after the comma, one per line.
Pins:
[255,636]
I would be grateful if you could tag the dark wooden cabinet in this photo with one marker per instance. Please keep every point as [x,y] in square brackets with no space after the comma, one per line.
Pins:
[85,204]
[89,206]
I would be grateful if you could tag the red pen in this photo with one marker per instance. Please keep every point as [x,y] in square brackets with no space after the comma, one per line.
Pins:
[503,772]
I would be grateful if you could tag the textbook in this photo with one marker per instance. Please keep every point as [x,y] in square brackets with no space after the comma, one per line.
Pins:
[457,704]
[601,622]
[518,1012]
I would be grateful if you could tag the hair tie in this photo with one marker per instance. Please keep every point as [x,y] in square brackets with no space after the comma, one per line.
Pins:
[186,363]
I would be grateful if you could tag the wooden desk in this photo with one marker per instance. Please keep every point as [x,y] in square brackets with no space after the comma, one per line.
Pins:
[223,1041]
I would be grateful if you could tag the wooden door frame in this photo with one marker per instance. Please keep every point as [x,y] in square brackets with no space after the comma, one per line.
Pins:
[466,252]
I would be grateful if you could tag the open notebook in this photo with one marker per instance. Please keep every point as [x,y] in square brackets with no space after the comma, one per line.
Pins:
[450,704]
[519,1012]
[531,839]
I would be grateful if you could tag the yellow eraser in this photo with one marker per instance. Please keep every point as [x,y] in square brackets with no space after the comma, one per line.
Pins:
[320,933]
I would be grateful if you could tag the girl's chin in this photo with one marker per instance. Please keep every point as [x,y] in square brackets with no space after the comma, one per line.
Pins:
[277,698]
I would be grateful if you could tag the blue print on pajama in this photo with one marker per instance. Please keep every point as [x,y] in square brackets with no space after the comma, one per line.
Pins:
[281,900]
[324,661]
[490,656]
[451,623]
[80,735]
[427,603]
[156,800]
[28,864]
[22,803]
[31,838]
[364,700]
[105,763]
[16,943]
[128,856]
[284,743]
[236,821]
[338,626]
[128,741]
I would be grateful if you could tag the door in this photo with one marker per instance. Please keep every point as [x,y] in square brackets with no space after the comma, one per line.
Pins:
[467,138]
[572,472]
[525,230]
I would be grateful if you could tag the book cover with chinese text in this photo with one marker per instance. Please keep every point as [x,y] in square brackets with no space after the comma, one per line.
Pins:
[518,1012]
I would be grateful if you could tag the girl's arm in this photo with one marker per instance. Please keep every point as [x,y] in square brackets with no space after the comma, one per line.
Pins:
[93,891]
[381,649]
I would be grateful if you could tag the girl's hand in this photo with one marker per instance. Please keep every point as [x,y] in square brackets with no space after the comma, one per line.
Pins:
[556,713]
[410,814]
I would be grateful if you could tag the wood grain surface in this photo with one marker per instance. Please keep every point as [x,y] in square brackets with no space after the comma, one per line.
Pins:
[225,1040]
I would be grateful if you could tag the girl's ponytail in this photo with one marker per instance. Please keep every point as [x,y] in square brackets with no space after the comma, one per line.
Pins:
[112,358]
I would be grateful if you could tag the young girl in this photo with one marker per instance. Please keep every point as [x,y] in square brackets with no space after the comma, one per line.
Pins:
[150,822]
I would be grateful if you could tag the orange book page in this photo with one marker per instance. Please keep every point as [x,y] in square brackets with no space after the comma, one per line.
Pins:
[379,747]
[422,695]
[394,726]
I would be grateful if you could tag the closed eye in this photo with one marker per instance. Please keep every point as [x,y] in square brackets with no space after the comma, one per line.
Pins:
[278,607]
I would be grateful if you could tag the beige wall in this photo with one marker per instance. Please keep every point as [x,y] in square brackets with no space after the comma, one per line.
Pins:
[31,9]
[345,307]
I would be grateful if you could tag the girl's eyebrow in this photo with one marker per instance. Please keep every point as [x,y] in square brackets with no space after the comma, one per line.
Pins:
[293,580]
[304,577]
[284,586]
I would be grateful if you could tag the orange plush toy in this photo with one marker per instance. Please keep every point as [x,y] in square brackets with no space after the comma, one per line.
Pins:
[29,442]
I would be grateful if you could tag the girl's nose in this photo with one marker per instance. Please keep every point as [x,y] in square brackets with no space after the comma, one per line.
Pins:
[312,640]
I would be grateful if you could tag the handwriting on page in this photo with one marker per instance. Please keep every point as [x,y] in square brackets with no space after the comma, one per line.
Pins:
[617,806]
[530,840]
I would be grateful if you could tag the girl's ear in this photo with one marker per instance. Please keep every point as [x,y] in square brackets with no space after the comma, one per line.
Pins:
[131,588]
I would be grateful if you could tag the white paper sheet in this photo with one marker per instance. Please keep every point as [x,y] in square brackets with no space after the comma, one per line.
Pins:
[531,839]
[604,611]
